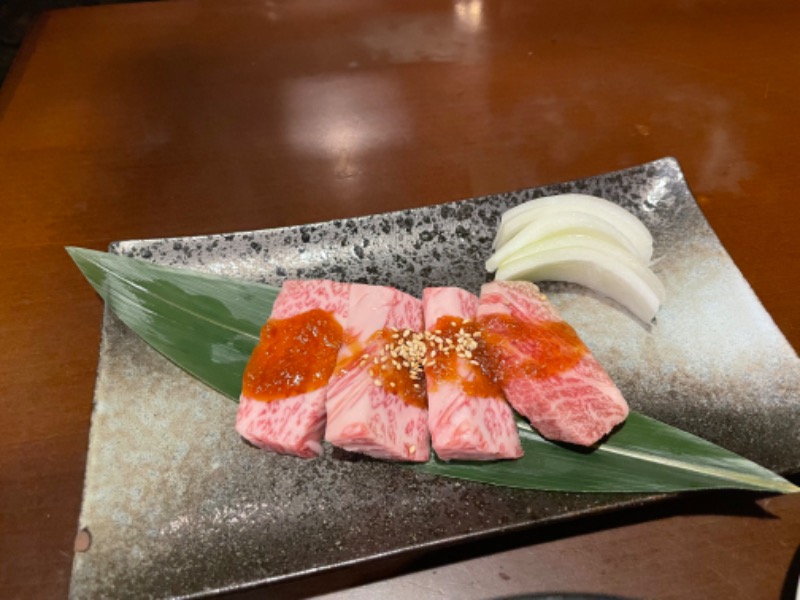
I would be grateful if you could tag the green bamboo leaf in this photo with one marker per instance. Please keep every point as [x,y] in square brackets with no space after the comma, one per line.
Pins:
[209,325]
[644,455]
[205,324]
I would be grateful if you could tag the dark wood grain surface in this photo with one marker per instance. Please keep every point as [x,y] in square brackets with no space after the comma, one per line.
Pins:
[180,118]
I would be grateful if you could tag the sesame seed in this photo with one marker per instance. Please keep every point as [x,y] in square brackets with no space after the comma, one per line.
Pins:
[377,382]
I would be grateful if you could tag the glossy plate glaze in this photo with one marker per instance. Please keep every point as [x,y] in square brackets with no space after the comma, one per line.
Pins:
[176,504]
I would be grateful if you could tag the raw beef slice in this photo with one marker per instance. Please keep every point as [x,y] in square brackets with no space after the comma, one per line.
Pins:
[376,398]
[282,406]
[547,373]
[468,416]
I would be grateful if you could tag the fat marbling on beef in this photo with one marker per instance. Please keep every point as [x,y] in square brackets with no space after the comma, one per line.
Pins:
[282,405]
[376,400]
[468,416]
[547,373]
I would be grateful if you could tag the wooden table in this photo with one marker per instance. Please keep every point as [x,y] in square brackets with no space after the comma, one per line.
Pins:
[180,118]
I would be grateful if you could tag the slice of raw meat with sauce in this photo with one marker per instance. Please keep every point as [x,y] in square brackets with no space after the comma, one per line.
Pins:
[546,371]
[376,400]
[282,405]
[468,416]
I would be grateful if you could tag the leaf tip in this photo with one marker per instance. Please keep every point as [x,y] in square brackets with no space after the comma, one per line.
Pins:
[76,253]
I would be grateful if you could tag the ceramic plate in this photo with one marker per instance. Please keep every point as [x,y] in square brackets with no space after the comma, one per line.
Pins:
[178,505]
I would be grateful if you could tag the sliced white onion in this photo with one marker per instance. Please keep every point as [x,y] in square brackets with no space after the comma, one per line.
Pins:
[516,219]
[616,275]
[565,222]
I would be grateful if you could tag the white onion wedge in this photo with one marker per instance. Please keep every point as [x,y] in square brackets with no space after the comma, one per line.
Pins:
[579,241]
[564,222]
[516,219]
[608,271]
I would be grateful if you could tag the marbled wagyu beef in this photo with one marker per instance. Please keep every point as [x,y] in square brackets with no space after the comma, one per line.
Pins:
[376,397]
[547,373]
[282,406]
[468,416]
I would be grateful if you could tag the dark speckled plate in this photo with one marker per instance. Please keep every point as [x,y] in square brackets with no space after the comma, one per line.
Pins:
[178,505]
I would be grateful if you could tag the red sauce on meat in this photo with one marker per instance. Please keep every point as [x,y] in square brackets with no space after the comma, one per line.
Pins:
[352,350]
[467,342]
[294,356]
[396,374]
[518,348]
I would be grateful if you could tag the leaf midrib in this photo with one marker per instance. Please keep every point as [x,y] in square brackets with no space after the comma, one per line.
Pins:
[723,474]
[719,473]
